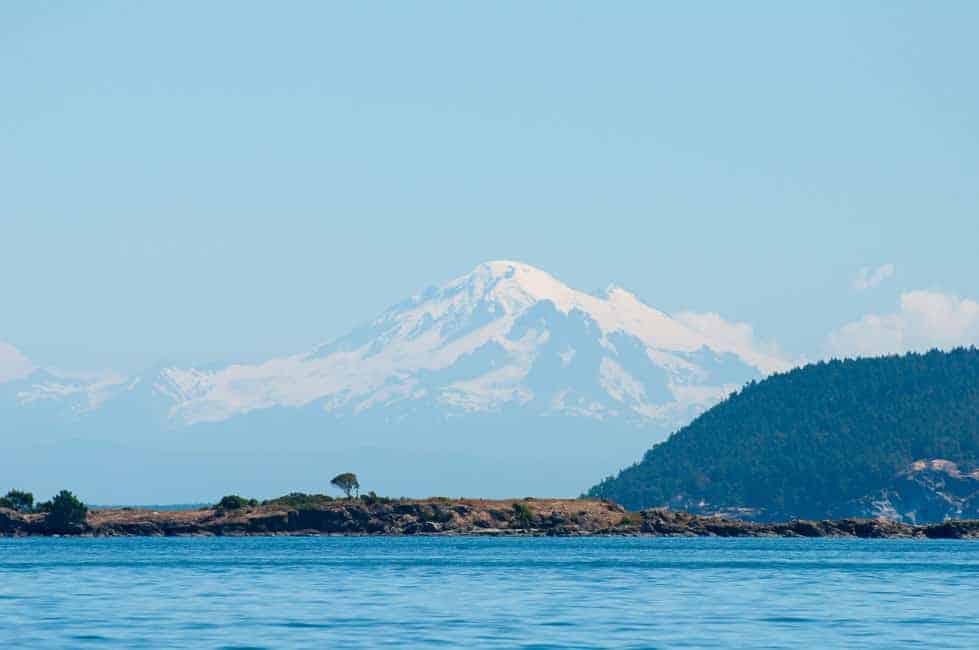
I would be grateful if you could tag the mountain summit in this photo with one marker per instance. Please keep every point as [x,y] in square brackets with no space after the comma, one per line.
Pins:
[505,334]
[504,355]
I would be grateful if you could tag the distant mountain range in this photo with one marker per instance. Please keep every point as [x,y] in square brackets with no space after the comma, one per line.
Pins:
[894,437]
[499,383]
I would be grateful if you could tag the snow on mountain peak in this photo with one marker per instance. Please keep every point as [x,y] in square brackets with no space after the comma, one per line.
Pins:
[512,285]
[504,335]
[494,321]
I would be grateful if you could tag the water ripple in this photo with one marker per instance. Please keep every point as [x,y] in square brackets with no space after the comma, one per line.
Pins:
[494,593]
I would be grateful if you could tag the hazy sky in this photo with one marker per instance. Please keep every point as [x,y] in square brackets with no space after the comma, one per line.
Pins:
[199,182]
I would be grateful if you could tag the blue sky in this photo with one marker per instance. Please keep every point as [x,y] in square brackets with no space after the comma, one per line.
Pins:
[203,182]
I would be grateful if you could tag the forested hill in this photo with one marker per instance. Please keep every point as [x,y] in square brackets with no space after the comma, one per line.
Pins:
[835,438]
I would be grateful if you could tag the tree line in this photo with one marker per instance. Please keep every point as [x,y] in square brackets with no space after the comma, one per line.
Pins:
[65,509]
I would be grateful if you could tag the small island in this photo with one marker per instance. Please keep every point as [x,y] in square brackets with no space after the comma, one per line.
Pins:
[369,514]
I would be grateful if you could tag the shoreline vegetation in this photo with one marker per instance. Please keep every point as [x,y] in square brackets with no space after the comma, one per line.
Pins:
[369,514]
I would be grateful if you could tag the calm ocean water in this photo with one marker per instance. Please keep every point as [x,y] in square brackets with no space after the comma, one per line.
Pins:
[462,592]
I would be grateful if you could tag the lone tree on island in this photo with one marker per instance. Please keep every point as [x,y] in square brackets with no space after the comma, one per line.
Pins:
[346,482]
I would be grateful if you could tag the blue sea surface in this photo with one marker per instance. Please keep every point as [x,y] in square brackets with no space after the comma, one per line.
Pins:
[418,592]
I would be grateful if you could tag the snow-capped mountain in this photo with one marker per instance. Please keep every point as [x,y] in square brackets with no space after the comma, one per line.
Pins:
[504,355]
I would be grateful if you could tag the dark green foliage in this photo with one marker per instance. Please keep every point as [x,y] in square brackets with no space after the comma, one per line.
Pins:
[235,502]
[806,441]
[347,482]
[300,501]
[522,515]
[64,511]
[372,499]
[18,500]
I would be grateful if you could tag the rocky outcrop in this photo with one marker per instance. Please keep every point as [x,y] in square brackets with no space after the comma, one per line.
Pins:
[682,524]
[553,517]
[16,524]
[927,491]
[13,523]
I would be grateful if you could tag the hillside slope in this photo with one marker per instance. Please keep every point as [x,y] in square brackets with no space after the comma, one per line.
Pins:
[893,436]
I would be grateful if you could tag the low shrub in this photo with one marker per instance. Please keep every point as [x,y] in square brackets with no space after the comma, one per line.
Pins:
[235,502]
[522,515]
[372,499]
[300,500]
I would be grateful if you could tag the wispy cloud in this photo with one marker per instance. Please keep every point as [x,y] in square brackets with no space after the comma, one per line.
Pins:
[869,277]
[924,320]
[13,364]
[737,337]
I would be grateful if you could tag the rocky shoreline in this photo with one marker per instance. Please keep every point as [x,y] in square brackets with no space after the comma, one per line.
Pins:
[474,517]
